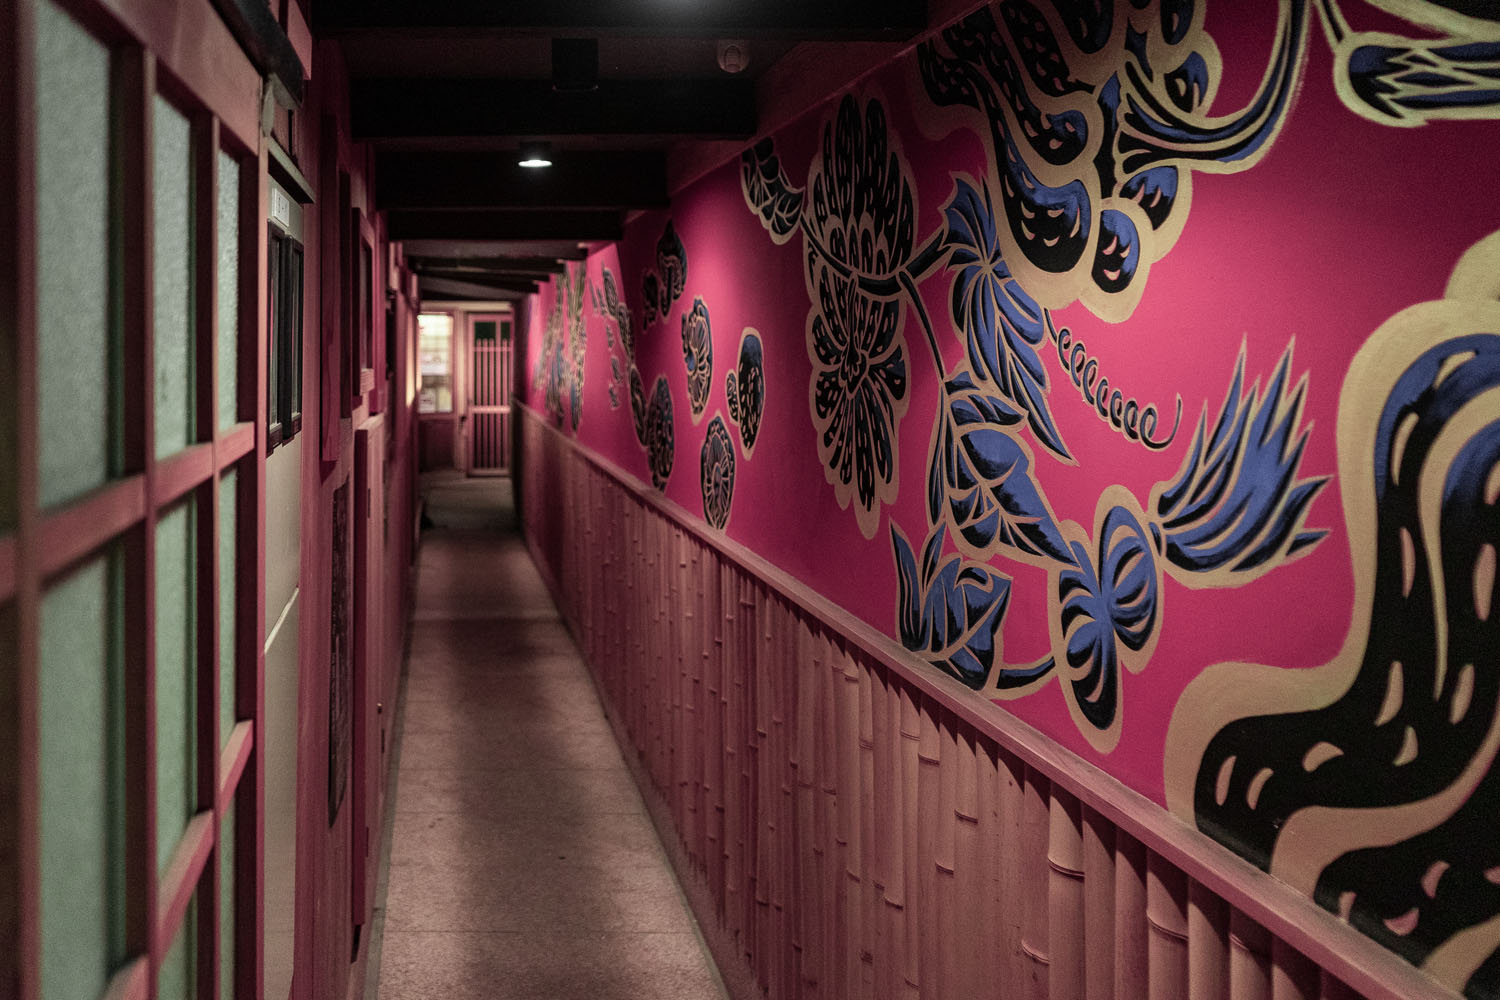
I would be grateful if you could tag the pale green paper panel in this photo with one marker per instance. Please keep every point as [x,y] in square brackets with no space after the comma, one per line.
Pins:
[82,780]
[76,357]
[172,302]
[228,273]
[226,905]
[176,683]
[178,977]
[228,510]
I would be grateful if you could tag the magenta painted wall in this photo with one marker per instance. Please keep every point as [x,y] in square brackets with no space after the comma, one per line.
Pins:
[1329,227]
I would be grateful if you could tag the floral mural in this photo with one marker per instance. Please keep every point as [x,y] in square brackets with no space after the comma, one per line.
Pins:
[1151,444]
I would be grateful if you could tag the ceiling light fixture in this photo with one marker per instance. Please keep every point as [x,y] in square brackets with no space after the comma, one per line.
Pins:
[535,155]
[734,56]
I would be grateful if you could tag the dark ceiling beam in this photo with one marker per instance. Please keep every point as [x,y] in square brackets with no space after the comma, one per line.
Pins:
[254,26]
[480,273]
[423,224]
[529,265]
[450,286]
[557,250]
[442,288]
[845,20]
[620,180]
[394,108]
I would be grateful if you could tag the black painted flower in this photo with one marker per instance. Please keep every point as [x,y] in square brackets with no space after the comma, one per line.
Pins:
[861,220]
[716,469]
[858,395]
[745,389]
[698,355]
[638,403]
[659,441]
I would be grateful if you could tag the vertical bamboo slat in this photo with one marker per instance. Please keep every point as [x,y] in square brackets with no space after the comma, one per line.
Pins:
[1065,896]
[1166,915]
[1035,828]
[1011,806]
[1098,906]
[1208,945]
[1131,947]
[1249,959]
[929,760]
[1293,976]
[910,731]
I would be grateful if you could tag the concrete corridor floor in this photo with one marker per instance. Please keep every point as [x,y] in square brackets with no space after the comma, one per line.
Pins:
[522,862]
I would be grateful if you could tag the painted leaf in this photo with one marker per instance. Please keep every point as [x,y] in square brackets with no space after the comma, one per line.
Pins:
[1237,505]
[949,612]
[1004,326]
[768,192]
[980,477]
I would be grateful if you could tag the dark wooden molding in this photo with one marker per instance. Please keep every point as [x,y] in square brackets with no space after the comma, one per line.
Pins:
[502,248]
[848,20]
[468,291]
[467,274]
[487,286]
[576,180]
[393,108]
[282,167]
[507,265]
[504,225]
[255,28]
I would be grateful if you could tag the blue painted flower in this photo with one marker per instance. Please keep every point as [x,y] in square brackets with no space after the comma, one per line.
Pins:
[1105,616]
[698,355]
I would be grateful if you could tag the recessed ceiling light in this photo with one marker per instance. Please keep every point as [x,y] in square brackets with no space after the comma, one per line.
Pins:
[535,155]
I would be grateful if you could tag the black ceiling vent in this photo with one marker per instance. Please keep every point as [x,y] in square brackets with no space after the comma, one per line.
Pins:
[575,64]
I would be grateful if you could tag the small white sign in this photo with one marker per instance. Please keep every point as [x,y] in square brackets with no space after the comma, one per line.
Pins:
[281,208]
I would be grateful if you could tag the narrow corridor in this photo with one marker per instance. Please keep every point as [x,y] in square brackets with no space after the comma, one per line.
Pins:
[523,863]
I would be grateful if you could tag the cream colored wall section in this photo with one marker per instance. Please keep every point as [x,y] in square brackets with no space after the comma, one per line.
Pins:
[283,565]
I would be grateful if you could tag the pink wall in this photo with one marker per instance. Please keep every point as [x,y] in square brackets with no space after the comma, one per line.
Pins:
[1320,230]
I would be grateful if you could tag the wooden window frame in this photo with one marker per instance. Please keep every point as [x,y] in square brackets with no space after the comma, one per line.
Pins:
[41,545]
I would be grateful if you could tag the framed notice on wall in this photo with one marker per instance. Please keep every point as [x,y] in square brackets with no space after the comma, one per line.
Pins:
[340,676]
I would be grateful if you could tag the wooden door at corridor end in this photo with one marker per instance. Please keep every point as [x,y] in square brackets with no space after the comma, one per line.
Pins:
[490,373]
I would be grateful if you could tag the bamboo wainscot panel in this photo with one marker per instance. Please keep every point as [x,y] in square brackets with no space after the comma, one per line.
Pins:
[866,829]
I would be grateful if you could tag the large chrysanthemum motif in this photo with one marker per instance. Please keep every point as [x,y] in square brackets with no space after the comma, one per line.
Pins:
[716,473]
[698,356]
[860,222]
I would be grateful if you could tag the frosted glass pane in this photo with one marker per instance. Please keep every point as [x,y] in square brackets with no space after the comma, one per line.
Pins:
[228,488]
[226,905]
[82,780]
[75,355]
[178,976]
[176,687]
[172,267]
[228,271]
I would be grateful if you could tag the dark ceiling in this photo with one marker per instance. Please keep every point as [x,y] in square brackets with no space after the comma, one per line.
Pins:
[447,90]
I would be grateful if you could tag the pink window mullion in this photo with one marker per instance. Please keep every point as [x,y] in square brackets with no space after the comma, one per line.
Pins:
[134,86]
[20,956]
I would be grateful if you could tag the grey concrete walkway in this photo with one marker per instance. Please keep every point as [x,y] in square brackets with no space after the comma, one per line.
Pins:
[523,863]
